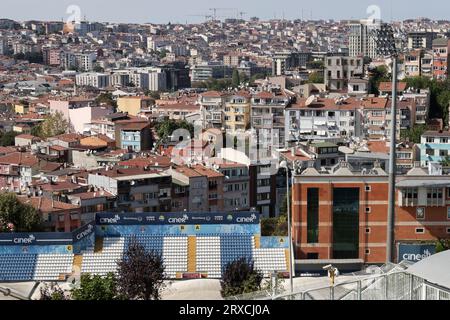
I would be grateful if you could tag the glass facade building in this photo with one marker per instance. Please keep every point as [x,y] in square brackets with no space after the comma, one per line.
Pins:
[345,223]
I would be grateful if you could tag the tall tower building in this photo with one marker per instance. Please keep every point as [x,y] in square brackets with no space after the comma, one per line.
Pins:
[362,42]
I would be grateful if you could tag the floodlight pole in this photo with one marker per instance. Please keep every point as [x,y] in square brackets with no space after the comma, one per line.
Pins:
[392,167]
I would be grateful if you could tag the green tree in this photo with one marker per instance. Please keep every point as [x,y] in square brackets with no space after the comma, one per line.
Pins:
[167,127]
[141,273]
[96,287]
[36,130]
[106,98]
[446,161]
[413,134]
[52,293]
[53,125]
[8,138]
[22,217]
[240,276]
[235,79]
[315,77]
[377,75]
[442,245]
[277,227]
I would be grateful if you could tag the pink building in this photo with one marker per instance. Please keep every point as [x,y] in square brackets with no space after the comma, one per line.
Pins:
[79,111]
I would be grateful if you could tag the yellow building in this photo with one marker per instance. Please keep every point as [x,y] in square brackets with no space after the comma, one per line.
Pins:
[134,105]
[21,108]
[237,111]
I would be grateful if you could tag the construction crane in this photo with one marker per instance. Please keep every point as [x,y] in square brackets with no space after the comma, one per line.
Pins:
[206,16]
[214,10]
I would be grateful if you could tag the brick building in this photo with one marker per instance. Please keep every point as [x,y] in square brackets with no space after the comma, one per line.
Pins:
[341,215]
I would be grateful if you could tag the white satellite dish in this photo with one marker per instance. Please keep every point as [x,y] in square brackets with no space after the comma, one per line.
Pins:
[310,100]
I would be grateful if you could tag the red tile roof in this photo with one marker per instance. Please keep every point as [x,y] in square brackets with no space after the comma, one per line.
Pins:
[19,158]
[387,86]
[46,205]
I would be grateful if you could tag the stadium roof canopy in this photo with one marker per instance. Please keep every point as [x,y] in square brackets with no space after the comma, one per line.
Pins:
[434,269]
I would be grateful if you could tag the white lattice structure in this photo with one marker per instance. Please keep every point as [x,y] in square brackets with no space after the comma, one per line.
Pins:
[102,263]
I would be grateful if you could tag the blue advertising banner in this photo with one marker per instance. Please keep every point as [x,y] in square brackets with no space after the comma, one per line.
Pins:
[41,238]
[274,242]
[184,218]
[83,232]
[414,252]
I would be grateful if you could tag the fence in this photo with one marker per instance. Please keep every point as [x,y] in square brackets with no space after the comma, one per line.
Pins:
[398,285]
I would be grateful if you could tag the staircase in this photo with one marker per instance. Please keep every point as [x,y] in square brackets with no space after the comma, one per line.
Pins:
[257,242]
[192,254]
[288,259]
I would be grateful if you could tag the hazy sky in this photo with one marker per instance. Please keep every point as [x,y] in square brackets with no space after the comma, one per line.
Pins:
[162,11]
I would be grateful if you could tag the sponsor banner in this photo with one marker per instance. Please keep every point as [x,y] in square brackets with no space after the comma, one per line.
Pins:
[83,232]
[41,238]
[187,230]
[185,218]
[414,252]
[274,242]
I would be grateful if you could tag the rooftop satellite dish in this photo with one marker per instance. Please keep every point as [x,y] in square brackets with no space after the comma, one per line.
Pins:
[310,100]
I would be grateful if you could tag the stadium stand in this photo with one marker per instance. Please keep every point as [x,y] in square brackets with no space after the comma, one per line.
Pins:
[270,259]
[103,262]
[34,267]
[187,250]
[208,256]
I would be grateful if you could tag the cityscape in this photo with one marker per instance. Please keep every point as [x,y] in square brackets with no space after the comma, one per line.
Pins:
[237,157]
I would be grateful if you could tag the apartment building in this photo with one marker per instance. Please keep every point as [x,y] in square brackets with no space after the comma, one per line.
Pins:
[236,184]
[268,118]
[134,136]
[92,79]
[134,105]
[340,70]
[323,117]
[237,112]
[422,101]
[196,187]
[421,39]
[137,190]
[434,146]
[78,111]
[212,108]
[413,63]
[441,54]
[361,40]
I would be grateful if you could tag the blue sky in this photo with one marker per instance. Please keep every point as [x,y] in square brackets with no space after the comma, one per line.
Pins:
[162,11]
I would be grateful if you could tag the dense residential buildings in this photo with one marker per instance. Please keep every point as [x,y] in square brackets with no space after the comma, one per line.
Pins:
[272,110]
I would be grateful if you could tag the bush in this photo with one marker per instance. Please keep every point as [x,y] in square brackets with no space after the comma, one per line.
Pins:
[240,276]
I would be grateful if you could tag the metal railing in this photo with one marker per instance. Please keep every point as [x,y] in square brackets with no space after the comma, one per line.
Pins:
[393,286]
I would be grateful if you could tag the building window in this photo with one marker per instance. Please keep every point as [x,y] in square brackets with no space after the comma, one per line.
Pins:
[448,230]
[346,223]
[368,209]
[420,230]
[312,255]
[434,196]
[368,188]
[367,230]
[367,251]
[448,213]
[313,215]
